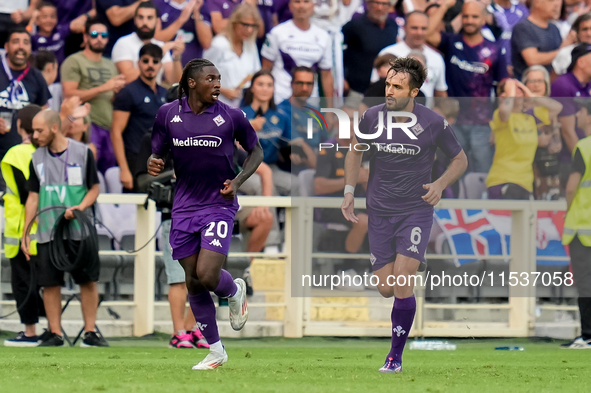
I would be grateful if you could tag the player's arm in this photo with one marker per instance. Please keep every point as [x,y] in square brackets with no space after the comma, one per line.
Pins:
[352,167]
[160,146]
[454,171]
[252,162]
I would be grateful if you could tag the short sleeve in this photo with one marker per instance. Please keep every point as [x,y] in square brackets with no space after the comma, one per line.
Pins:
[365,123]
[578,164]
[121,52]
[33,181]
[243,131]
[214,6]
[543,115]
[447,141]
[324,164]
[91,171]
[70,71]
[123,101]
[524,37]
[160,140]
[326,61]
[270,49]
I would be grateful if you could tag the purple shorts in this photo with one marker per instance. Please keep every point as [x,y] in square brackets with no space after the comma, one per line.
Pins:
[406,234]
[209,230]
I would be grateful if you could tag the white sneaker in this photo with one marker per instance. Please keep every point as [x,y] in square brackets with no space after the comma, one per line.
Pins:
[238,307]
[578,343]
[211,361]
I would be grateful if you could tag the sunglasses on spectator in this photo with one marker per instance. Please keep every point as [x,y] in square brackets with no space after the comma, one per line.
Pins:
[146,60]
[302,83]
[95,34]
[247,25]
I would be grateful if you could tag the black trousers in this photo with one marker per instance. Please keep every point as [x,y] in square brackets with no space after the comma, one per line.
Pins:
[580,259]
[21,281]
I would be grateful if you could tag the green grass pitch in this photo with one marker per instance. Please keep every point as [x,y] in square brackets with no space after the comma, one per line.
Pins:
[295,365]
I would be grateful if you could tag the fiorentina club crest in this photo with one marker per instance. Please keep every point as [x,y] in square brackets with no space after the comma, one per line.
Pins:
[218,120]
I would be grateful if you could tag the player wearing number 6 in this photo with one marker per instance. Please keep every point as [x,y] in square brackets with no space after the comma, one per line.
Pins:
[400,195]
[199,132]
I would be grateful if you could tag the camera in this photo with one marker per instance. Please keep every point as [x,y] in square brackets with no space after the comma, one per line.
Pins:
[162,191]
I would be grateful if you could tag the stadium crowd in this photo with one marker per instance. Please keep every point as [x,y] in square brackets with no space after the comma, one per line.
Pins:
[511,77]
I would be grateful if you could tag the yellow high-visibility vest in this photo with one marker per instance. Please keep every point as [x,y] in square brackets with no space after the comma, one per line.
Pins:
[578,217]
[18,157]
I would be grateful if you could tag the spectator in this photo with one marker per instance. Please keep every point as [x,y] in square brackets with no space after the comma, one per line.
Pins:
[117,16]
[473,65]
[546,180]
[575,83]
[364,38]
[294,43]
[187,20]
[13,14]
[15,170]
[46,62]
[535,40]
[20,85]
[415,38]
[50,35]
[134,109]
[582,28]
[271,126]
[516,137]
[507,13]
[221,10]
[235,52]
[127,48]
[93,78]
[330,181]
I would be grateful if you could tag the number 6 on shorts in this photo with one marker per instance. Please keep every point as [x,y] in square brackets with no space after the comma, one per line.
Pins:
[415,236]
[222,229]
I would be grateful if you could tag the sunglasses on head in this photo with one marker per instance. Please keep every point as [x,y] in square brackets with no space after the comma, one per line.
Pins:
[146,60]
[95,34]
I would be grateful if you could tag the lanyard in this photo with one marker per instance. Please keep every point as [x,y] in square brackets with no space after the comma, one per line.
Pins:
[15,86]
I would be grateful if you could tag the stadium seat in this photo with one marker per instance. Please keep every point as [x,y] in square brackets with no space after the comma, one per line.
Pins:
[102,183]
[475,185]
[113,180]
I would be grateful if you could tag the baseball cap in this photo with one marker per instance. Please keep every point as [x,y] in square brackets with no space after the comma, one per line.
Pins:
[578,52]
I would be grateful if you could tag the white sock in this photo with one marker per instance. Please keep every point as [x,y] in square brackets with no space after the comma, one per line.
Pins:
[216,347]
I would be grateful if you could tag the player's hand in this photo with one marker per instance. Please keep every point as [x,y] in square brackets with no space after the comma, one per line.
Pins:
[69,214]
[155,165]
[25,244]
[126,179]
[257,123]
[348,208]
[433,195]
[229,190]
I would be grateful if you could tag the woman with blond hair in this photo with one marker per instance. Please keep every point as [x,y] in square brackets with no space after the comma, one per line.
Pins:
[235,53]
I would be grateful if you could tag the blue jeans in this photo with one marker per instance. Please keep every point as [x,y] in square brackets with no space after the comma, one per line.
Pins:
[475,142]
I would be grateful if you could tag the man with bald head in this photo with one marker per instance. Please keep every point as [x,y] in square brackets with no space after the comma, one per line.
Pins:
[473,65]
[536,40]
[63,173]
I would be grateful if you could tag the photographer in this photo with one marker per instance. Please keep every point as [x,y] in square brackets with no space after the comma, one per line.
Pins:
[62,173]
[160,189]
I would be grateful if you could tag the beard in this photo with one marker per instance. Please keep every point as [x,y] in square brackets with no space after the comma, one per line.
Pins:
[399,104]
[145,35]
[96,49]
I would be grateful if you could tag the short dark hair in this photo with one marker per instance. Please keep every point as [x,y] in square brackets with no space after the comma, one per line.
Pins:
[152,50]
[43,58]
[146,4]
[191,70]
[18,30]
[301,69]
[45,4]
[416,71]
[91,22]
[26,116]
[581,19]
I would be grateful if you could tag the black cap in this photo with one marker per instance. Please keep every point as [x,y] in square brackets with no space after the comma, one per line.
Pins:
[578,52]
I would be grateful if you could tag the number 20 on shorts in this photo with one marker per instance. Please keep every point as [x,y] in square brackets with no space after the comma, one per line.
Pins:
[221,229]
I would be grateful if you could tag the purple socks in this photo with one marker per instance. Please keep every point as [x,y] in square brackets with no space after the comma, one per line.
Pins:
[226,287]
[204,311]
[403,314]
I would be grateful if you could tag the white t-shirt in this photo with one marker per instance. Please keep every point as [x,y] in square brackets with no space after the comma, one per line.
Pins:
[563,59]
[286,42]
[233,68]
[435,66]
[9,6]
[128,48]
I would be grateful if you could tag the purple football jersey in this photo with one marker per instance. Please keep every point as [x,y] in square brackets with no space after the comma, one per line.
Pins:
[224,7]
[54,43]
[169,12]
[68,10]
[400,166]
[202,148]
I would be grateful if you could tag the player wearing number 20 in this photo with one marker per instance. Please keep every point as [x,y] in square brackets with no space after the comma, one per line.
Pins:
[400,195]
[199,132]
